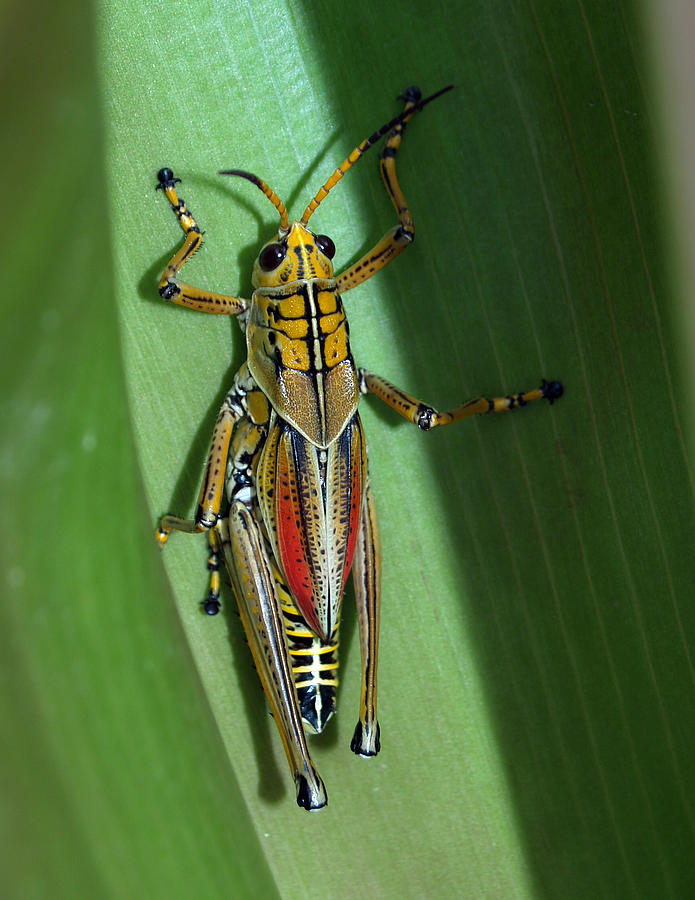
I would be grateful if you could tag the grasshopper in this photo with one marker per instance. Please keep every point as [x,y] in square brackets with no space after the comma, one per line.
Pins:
[286,498]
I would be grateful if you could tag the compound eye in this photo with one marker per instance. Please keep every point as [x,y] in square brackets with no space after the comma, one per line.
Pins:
[271,256]
[325,245]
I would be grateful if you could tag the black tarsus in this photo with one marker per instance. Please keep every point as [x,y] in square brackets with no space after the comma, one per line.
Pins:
[413,94]
[211,606]
[552,390]
[166,179]
[405,114]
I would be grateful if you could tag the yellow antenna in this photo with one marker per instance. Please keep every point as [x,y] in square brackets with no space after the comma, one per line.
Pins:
[268,191]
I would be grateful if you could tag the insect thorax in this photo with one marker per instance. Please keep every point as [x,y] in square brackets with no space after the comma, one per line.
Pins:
[299,354]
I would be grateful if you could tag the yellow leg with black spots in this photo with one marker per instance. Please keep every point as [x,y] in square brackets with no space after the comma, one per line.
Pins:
[426,417]
[398,238]
[210,498]
[170,288]
[211,604]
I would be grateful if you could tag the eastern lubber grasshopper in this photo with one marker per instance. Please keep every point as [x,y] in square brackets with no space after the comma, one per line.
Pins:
[289,452]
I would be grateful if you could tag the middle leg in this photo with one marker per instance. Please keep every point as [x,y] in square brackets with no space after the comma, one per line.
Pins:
[427,417]
[210,497]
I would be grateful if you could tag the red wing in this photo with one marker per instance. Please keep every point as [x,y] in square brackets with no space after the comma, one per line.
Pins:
[311,501]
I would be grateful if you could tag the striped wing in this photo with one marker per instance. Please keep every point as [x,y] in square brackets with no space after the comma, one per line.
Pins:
[311,502]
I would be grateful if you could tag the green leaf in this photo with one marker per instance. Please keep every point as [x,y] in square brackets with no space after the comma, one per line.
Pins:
[536,677]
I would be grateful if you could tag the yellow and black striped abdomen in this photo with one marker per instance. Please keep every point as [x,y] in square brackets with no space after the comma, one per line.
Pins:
[314,663]
[299,354]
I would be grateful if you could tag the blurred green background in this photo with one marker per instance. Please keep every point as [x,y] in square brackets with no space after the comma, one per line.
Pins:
[537,677]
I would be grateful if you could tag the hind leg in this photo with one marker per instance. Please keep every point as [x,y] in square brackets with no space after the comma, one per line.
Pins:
[366,574]
[245,552]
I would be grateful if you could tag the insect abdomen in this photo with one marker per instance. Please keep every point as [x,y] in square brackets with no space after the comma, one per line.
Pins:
[314,665]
